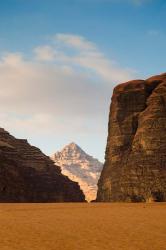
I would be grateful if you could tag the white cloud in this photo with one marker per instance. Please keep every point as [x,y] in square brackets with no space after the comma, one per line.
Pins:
[77,42]
[10,59]
[63,90]
[45,53]
[85,54]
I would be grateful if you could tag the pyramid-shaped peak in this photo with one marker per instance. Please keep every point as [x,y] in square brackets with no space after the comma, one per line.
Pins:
[73,147]
[72,144]
[80,167]
[73,152]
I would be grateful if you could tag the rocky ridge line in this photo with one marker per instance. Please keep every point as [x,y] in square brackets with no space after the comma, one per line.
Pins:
[27,175]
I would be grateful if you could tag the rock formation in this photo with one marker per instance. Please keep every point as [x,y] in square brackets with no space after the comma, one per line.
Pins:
[79,167]
[135,160]
[27,175]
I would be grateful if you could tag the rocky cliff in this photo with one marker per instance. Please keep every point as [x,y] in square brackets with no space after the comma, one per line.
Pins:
[79,167]
[135,160]
[27,175]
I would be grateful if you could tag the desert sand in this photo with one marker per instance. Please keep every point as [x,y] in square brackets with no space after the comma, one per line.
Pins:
[96,226]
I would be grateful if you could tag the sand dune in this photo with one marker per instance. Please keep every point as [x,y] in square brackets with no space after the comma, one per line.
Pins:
[83,226]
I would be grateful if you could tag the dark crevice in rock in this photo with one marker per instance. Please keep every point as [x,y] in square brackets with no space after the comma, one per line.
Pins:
[149,89]
[157,196]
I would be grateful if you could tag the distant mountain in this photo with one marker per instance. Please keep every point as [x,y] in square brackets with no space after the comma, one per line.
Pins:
[79,167]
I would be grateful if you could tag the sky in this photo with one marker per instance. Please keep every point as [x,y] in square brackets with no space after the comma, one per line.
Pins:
[60,60]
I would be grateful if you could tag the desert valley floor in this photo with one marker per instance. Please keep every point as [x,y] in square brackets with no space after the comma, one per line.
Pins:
[95,226]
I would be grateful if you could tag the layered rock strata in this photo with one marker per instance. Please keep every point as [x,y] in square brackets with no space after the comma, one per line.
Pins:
[135,159]
[27,175]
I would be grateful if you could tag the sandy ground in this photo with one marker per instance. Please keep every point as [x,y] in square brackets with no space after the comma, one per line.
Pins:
[83,226]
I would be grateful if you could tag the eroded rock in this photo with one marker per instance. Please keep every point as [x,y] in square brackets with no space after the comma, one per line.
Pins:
[27,175]
[135,159]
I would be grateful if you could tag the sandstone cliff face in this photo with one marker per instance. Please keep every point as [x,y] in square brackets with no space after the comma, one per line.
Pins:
[135,160]
[27,175]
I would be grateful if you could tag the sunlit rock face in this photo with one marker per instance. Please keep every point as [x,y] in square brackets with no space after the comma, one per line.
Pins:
[27,175]
[135,159]
[79,167]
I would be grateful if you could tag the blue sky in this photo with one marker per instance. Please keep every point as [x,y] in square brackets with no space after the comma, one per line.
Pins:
[74,41]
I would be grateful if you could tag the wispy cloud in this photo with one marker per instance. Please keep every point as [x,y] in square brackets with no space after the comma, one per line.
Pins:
[64,88]
[78,42]
[45,53]
[75,51]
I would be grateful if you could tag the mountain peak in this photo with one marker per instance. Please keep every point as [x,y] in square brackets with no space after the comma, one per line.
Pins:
[80,167]
[73,145]
[73,151]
